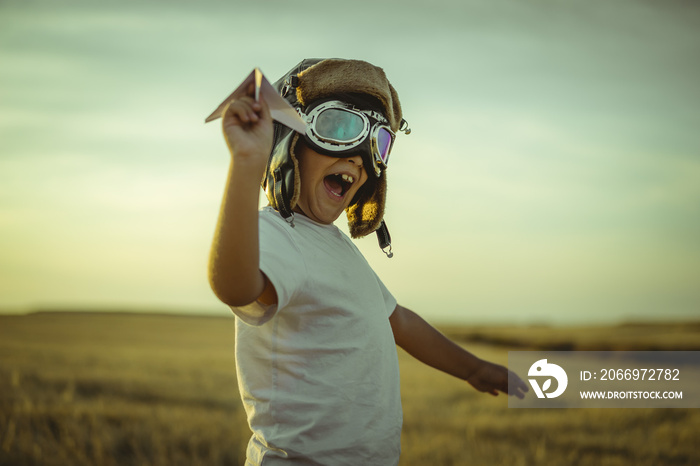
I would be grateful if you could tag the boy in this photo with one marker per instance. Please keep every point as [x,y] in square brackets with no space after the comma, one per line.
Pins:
[316,329]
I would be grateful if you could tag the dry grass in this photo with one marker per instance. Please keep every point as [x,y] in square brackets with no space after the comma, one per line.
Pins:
[121,389]
[678,336]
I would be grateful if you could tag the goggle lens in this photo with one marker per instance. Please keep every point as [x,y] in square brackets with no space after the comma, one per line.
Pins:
[338,129]
[384,144]
[339,125]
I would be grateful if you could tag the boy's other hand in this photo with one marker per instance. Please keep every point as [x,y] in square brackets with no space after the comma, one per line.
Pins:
[247,127]
[492,378]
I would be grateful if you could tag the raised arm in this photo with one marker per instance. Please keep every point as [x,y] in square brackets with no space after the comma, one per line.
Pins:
[425,343]
[234,269]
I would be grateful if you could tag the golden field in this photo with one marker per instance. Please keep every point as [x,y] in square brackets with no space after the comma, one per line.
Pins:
[145,389]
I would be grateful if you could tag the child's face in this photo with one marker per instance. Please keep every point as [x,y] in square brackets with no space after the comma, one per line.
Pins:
[328,184]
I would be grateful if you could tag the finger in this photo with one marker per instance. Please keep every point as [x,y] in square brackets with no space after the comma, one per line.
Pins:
[262,109]
[242,111]
[516,382]
[235,114]
[257,110]
[523,390]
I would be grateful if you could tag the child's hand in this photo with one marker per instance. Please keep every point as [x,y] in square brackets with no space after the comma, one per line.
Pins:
[492,378]
[248,130]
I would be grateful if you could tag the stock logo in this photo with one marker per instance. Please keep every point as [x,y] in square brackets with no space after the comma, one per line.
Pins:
[542,368]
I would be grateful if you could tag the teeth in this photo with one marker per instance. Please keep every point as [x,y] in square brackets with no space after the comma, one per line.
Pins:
[347,178]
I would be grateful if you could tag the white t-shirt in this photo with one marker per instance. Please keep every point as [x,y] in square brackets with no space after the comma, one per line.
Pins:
[318,372]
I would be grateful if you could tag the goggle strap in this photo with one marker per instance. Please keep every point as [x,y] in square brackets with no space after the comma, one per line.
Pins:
[384,239]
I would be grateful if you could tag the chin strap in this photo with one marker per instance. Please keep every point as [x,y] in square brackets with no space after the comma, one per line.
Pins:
[384,239]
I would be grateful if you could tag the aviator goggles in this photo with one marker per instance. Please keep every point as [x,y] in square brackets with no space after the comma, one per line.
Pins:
[339,129]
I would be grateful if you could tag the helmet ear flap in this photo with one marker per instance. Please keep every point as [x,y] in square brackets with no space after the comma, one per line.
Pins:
[366,215]
[281,182]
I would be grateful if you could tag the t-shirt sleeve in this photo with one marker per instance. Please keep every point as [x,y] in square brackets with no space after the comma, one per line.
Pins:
[282,263]
[389,300]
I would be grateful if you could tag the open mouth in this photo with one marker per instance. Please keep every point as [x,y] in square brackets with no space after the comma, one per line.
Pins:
[338,184]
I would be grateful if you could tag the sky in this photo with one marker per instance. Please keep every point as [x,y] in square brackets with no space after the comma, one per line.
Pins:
[552,175]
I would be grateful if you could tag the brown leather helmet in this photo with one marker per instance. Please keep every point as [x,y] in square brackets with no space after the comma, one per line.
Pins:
[317,79]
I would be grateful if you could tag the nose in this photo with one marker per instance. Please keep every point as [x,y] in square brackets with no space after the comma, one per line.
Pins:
[356,159]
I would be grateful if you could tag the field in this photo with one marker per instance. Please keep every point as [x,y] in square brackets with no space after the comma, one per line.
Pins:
[142,389]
